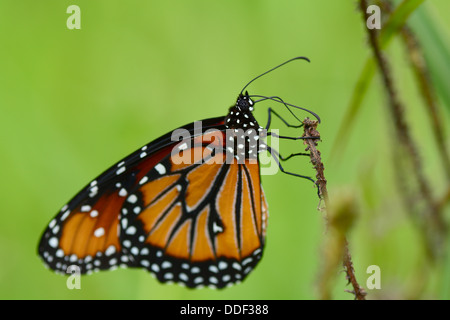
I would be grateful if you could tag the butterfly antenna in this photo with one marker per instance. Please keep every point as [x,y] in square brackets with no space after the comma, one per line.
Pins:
[287,105]
[296,58]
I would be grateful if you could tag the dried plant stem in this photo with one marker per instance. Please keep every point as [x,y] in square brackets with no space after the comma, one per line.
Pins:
[310,131]
[419,67]
[421,73]
[358,291]
[402,129]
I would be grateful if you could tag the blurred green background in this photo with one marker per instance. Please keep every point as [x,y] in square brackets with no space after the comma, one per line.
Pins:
[73,102]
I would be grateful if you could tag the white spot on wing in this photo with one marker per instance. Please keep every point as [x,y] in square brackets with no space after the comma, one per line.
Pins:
[160,168]
[132,198]
[217,228]
[55,229]
[246,261]
[131,230]
[85,208]
[236,266]
[52,223]
[53,242]
[213,268]
[155,267]
[123,192]
[111,250]
[143,180]
[183,277]
[121,170]
[195,270]
[65,215]
[99,232]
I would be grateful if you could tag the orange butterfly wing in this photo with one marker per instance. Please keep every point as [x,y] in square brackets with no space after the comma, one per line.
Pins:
[86,230]
[201,223]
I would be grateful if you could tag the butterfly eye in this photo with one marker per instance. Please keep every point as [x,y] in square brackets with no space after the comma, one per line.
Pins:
[243,104]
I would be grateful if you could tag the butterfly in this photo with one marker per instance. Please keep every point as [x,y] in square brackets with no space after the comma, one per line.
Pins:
[189,206]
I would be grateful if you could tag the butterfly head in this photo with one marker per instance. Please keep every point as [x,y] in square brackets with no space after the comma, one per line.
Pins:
[240,115]
[244,103]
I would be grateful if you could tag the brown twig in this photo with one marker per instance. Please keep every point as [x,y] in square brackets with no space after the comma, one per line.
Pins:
[419,67]
[310,131]
[358,291]
[402,129]
[421,72]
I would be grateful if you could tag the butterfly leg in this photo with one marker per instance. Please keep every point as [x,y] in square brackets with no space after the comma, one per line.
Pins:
[276,156]
[293,155]
[269,121]
[273,134]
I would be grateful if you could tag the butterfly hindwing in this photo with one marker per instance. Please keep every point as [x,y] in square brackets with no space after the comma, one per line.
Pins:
[200,223]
